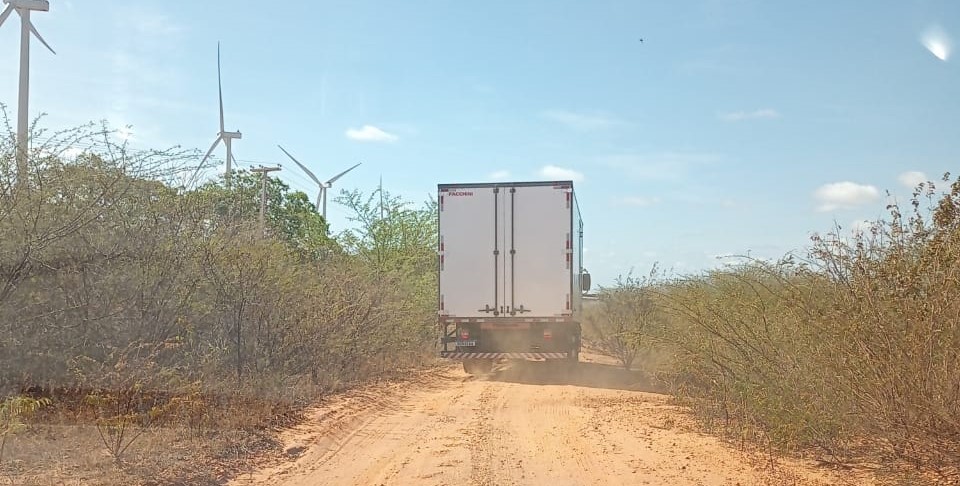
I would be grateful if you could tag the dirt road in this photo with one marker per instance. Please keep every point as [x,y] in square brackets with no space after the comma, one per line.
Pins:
[524,424]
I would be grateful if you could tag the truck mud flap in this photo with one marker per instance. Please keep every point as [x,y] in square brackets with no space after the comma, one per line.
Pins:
[457,355]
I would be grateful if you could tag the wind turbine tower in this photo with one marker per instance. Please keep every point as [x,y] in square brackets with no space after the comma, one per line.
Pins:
[23,8]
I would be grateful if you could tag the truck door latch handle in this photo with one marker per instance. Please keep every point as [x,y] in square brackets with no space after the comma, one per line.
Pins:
[518,309]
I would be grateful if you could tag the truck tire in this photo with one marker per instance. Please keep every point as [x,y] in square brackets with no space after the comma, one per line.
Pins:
[478,366]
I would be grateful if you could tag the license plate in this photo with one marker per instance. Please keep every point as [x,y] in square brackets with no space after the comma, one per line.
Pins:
[467,343]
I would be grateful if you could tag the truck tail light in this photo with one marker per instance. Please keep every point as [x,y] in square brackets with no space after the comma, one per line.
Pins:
[547,334]
[464,334]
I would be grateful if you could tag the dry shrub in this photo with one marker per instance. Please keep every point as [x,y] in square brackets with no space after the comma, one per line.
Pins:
[626,320]
[853,350]
[136,303]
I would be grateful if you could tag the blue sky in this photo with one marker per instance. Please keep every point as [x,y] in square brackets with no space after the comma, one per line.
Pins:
[735,126]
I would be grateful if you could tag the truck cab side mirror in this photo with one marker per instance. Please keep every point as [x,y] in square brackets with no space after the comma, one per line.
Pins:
[585,281]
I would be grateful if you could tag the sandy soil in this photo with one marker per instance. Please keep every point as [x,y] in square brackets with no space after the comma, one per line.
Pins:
[527,423]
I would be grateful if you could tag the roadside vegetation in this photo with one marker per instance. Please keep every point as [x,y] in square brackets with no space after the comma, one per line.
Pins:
[150,329]
[848,354]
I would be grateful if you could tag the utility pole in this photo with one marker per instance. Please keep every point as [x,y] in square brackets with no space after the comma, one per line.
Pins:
[263,194]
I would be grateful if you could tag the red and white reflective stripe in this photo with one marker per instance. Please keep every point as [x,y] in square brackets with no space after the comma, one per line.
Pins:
[441,200]
[569,196]
[441,252]
[455,355]
[503,322]
[504,326]
[568,302]
[441,301]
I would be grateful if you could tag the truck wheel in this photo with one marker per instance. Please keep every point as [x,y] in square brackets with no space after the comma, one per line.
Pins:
[571,361]
[485,366]
[478,366]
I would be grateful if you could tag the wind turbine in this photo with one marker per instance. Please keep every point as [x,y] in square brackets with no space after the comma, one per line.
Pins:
[323,185]
[23,8]
[223,136]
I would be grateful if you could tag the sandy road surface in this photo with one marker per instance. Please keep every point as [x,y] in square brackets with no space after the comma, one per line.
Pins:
[524,424]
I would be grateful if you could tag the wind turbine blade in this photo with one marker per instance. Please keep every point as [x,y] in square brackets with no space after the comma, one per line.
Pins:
[6,13]
[40,37]
[334,179]
[205,157]
[193,178]
[219,88]
[197,172]
[302,167]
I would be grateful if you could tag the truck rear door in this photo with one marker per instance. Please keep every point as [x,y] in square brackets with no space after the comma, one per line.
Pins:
[538,250]
[470,257]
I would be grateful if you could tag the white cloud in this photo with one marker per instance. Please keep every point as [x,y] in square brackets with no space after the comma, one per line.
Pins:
[72,152]
[582,121]
[370,133]
[761,114]
[936,40]
[861,226]
[125,133]
[912,179]
[500,175]
[640,201]
[560,173]
[844,195]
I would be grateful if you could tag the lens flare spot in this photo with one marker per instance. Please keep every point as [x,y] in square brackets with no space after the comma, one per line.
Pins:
[937,42]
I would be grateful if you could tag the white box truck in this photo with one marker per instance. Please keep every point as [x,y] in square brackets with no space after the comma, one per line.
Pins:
[511,272]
